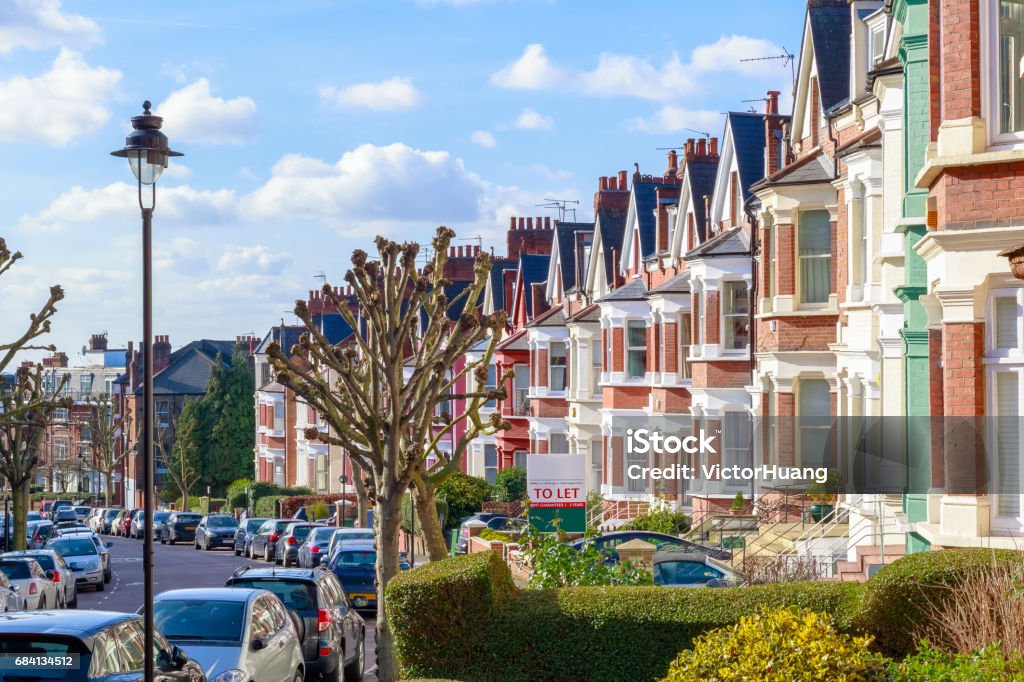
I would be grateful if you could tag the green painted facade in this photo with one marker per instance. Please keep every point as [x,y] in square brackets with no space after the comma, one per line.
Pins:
[913,15]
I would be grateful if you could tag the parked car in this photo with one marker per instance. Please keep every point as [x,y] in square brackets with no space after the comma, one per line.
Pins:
[314,549]
[302,513]
[11,598]
[233,634]
[215,530]
[38,533]
[125,525]
[286,551]
[266,537]
[662,541]
[102,547]
[40,592]
[109,515]
[57,569]
[333,645]
[690,569]
[64,515]
[355,567]
[48,507]
[118,521]
[243,535]
[342,536]
[83,512]
[95,520]
[179,527]
[66,527]
[82,554]
[110,646]
[159,520]
[493,521]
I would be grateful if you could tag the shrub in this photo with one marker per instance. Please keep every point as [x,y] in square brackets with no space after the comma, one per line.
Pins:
[464,495]
[910,590]
[554,563]
[236,493]
[510,485]
[933,665]
[440,612]
[500,536]
[661,520]
[266,507]
[779,645]
[576,634]
[292,502]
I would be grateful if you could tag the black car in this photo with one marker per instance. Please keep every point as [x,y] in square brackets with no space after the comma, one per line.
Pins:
[180,527]
[243,535]
[108,646]
[663,542]
[333,633]
[286,552]
[266,536]
[108,518]
[215,530]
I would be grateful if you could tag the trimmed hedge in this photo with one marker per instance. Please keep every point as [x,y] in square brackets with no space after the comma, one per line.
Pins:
[900,595]
[440,612]
[291,504]
[462,618]
[266,507]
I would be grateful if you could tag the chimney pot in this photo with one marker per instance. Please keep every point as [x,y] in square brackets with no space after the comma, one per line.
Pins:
[772,102]
[540,223]
[522,223]
[613,184]
[688,149]
[702,148]
[547,222]
[713,147]
[622,180]
[529,223]
[673,159]
[512,223]
[602,183]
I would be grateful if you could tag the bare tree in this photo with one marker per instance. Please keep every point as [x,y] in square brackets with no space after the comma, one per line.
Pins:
[26,408]
[106,428]
[179,452]
[384,387]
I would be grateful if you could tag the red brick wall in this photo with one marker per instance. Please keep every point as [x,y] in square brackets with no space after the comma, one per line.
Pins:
[671,346]
[934,87]
[540,373]
[626,397]
[796,333]
[672,400]
[549,407]
[980,196]
[540,447]
[785,278]
[712,317]
[290,405]
[652,347]
[785,408]
[618,452]
[963,346]
[960,67]
[721,374]
[618,358]
[935,397]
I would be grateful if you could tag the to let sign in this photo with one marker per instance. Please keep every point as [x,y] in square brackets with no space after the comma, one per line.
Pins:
[557,488]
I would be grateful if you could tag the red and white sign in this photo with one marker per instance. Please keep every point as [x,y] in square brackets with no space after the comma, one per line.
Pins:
[556,481]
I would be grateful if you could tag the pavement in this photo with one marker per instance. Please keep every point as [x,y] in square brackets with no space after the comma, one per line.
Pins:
[177,567]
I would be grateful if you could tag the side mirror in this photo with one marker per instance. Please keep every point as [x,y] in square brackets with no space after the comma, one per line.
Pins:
[49,575]
[15,588]
[109,545]
[258,644]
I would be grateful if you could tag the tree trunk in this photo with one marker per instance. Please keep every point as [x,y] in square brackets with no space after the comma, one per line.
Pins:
[387,516]
[428,523]
[362,499]
[20,500]
[108,477]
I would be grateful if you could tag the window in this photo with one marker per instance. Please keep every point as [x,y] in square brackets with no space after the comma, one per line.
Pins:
[698,316]
[490,462]
[684,346]
[736,438]
[1008,66]
[595,374]
[864,274]
[60,450]
[60,414]
[321,472]
[557,444]
[521,402]
[163,414]
[1008,451]
[519,459]
[769,419]
[262,624]
[85,384]
[556,366]
[596,457]
[813,420]
[636,349]
[815,235]
[132,644]
[279,473]
[86,434]
[768,251]
[736,316]
[639,484]
[278,415]
[1006,321]
[876,44]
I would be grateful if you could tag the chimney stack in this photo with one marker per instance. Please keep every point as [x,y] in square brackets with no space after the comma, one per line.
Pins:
[773,135]
[771,104]
[688,149]
[529,223]
[98,342]
[522,223]
[512,223]
[161,353]
[673,161]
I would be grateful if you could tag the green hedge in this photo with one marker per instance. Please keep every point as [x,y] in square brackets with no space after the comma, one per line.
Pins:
[461,618]
[440,612]
[266,507]
[900,595]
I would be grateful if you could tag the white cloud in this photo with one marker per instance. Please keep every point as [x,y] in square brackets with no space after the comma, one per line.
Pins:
[617,75]
[176,170]
[181,255]
[532,71]
[725,55]
[246,286]
[59,106]
[672,119]
[484,139]
[179,206]
[40,24]
[253,259]
[390,95]
[529,119]
[193,114]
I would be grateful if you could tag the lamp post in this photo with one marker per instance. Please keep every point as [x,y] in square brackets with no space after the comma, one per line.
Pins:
[343,479]
[147,151]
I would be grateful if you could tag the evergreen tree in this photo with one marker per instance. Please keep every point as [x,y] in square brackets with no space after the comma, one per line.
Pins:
[227,424]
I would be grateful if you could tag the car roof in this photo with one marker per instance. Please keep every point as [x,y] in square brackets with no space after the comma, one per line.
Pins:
[358,546]
[680,556]
[28,553]
[75,623]
[291,574]
[210,594]
[19,559]
[353,531]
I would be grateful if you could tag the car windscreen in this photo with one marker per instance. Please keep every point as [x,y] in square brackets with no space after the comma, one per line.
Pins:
[297,596]
[43,645]
[160,517]
[281,525]
[111,513]
[16,570]
[44,560]
[302,532]
[202,619]
[322,535]
[253,525]
[187,518]
[366,536]
[684,573]
[355,558]
[221,522]
[74,547]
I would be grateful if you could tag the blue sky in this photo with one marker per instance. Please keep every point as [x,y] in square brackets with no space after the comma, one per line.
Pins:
[309,126]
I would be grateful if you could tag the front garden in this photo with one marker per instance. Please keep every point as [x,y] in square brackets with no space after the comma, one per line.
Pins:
[952,615]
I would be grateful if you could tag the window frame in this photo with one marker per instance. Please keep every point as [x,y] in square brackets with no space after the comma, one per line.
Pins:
[627,348]
[1004,521]
[991,326]
[725,327]
[989,37]
[801,428]
[800,258]
[488,467]
[564,366]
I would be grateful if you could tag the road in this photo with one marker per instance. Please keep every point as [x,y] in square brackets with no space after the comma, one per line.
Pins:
[175,567]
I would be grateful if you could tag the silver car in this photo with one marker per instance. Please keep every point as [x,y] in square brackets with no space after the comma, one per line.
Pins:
[102,547]
[234,634]
[84,558]
[11,598]
[39,591]
[57,570]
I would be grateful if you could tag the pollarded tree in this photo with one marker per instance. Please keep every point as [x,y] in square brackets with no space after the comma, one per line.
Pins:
[380,392]
[106,428]
[25,407]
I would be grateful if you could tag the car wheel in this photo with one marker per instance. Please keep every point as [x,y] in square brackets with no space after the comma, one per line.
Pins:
[195,545]
[101,586]
[162,540]
[354,670]
[298,675]
[42,605]
[266,553]
[170,539]
[206,545]
[74,602]
[238,552]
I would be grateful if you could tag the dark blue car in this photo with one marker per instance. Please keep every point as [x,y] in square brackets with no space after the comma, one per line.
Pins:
[355,566]
[607,543]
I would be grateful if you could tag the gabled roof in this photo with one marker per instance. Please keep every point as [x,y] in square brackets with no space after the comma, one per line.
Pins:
[189,370]
[612,224]
[700,180]
[517,341]
[830,36]
[533,269]
[748,143]
[645,203]
[680,284]
[634,290]
[592,313]
[553,317]
[732,242]
[565,243]
[808,170]
[497,285]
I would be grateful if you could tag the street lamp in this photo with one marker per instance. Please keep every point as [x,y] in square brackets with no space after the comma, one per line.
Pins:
[147,151]
[343,479]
